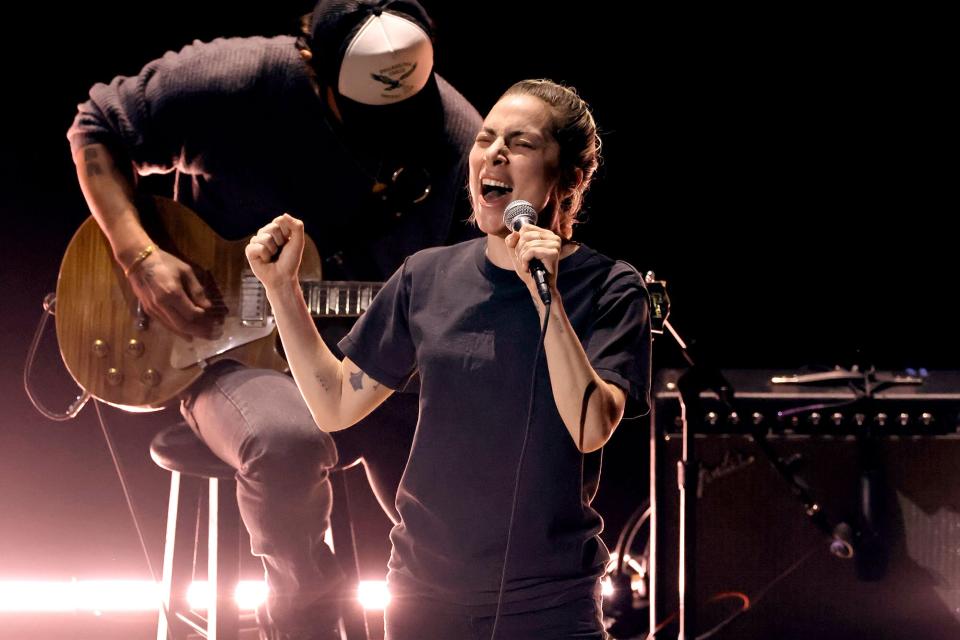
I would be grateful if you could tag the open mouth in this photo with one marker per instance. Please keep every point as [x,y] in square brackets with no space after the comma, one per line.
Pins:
[493,190]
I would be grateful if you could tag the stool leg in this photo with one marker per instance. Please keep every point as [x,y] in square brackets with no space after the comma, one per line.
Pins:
[177,556]
[345,549]
[223,561]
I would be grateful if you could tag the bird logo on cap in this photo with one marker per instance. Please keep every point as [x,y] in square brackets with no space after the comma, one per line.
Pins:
[393,83]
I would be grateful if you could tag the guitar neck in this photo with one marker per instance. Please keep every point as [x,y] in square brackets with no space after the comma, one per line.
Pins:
[335,299]
[324,298]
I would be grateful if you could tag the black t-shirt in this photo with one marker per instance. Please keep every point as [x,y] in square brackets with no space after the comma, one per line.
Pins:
[470,329]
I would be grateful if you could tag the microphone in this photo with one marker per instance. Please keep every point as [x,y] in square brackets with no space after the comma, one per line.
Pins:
[515,215]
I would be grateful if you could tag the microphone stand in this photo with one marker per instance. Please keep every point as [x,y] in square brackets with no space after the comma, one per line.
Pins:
[697,378]
[687,475]
[694,380]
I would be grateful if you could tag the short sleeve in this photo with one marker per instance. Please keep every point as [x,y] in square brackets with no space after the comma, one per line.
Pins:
[380,343]
[619,344]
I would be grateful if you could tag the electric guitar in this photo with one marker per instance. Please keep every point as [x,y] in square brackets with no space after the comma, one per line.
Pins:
[125,358]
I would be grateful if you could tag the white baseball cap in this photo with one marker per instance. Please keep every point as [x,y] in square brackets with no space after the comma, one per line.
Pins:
[389,59]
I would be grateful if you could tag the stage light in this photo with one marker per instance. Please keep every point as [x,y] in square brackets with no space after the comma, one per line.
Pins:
[373,594]
[97,596]
[94,596]
[249,594]
[606,587]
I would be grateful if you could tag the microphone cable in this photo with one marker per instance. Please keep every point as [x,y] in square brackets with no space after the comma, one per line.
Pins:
[516,484]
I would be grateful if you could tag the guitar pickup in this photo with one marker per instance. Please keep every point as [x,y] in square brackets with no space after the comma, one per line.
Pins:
[253,301]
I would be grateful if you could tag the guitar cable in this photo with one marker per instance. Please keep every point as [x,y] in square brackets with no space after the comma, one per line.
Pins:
[133,512]
[49,309]
[748,603]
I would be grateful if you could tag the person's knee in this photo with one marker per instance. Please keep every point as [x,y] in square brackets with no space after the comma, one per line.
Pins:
[288,455]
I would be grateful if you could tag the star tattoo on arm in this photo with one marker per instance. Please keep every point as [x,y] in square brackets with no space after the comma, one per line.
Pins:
[356,380]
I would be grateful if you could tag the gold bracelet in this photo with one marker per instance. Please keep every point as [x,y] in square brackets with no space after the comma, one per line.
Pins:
[147,250]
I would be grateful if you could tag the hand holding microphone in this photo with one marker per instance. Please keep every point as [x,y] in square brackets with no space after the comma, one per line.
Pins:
[533,245]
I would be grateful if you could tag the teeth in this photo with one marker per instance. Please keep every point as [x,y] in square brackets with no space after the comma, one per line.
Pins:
[487,182]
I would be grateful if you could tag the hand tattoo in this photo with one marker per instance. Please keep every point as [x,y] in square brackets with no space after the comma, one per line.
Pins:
[144,275]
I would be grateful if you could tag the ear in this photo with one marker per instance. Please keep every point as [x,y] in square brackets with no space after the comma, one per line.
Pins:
[577,178]
[567,187]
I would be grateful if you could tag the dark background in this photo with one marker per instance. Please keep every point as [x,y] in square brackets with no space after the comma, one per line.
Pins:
[785,170]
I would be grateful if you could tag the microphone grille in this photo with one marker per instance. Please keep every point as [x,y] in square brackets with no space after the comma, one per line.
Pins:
[518,212]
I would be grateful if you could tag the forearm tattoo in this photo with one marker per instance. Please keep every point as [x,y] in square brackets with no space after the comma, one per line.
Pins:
[321,381]
[90,156]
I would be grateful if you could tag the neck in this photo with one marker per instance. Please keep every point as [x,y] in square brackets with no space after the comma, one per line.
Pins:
[498,253]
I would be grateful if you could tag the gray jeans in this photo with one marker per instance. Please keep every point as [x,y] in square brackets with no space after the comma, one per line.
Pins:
[256,421]
[420,619]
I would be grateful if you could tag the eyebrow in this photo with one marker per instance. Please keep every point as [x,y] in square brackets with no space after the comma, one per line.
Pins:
[512,134]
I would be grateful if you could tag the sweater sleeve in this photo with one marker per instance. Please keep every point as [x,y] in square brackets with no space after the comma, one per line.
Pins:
[176,106]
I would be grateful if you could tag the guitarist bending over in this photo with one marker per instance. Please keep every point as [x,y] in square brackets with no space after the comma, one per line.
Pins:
[346,127]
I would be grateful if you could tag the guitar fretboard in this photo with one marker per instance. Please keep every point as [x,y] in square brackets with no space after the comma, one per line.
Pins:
[325,299]
[329,299]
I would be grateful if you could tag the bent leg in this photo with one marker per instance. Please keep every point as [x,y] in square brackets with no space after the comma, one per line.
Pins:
[257,421]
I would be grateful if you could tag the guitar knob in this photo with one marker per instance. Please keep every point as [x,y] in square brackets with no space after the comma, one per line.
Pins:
[859,418]
[134,348]
[881,419]
[926,418]
[836,418]
[150,377]
[100,348]
[114,377]
[757,417]
[734,418]
[814,418]
[712,418]
[904,419]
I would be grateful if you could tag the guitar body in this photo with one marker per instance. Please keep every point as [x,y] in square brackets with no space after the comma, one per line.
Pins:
[134,362]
